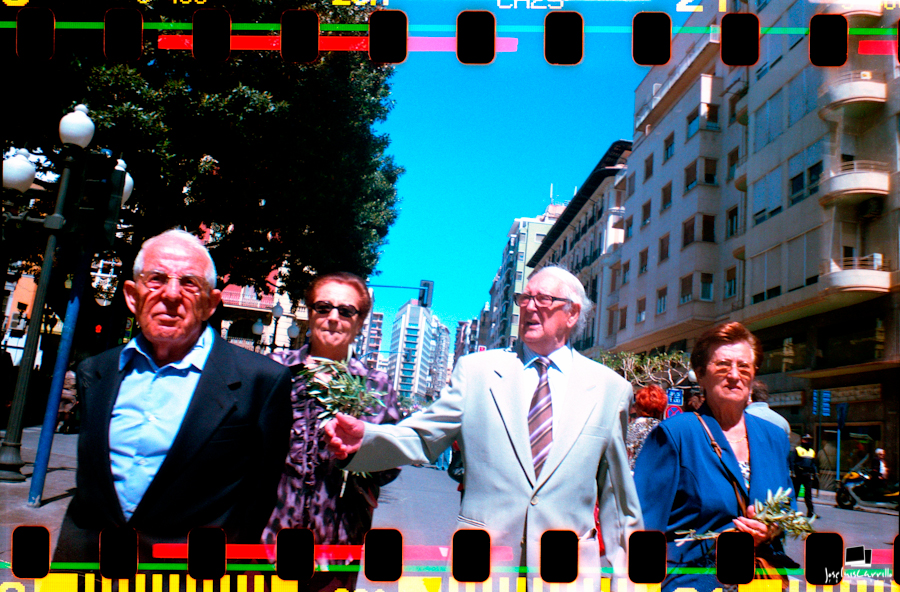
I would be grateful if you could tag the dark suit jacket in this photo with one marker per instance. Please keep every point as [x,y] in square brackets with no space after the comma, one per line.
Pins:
[223,467]
[683,485]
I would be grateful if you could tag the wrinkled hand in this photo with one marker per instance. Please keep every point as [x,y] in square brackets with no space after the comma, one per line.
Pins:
[759,531]
[344,435]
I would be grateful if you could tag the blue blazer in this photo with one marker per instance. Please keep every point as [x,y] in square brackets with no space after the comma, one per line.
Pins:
[683,485]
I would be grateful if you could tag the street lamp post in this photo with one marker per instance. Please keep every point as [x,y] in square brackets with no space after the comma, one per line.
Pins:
[258,329]
[75,130]
[277,312]
[293,334]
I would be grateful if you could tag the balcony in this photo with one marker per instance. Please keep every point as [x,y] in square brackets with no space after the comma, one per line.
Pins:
[683,75]
[871,273]
[857,12]
[855,181]
[854,94]
[738,172]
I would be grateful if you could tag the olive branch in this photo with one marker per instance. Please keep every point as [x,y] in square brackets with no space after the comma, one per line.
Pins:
[338,391]
[776,511]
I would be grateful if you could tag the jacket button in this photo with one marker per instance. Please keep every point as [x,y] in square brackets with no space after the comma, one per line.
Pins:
[534,501]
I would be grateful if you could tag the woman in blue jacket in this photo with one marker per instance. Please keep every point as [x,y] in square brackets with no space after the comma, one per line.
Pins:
[681,481]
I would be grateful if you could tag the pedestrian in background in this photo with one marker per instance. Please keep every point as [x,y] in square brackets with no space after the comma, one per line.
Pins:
[804,471]
[759,406]
[649,404]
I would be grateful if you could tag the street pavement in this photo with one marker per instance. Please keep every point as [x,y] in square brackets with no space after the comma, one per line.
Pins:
[422,503]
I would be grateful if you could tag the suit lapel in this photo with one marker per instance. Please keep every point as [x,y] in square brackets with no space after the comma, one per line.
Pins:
[567,422]
[513,408]
[213,401]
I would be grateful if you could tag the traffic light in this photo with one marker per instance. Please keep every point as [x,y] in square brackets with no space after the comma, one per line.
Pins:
[426,289]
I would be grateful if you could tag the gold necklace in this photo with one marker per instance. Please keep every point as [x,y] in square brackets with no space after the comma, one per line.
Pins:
[736,441]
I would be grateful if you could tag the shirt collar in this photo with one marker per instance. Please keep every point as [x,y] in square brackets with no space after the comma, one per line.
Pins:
[561,359]
[196,357]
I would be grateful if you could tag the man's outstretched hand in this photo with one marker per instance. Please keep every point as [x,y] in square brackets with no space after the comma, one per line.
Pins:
[344,434]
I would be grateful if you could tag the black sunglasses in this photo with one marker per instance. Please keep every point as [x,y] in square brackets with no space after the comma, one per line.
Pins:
[324,308]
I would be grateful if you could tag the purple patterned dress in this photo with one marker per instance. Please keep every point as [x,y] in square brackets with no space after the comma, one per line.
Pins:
[309,493]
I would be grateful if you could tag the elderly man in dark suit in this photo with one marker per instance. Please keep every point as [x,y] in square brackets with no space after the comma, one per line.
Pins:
[180,429]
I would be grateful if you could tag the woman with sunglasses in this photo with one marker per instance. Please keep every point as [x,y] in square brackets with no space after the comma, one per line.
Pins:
[312,492]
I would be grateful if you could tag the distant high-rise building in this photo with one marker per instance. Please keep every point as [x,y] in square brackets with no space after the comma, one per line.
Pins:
[412,351]
[440,368]
[522,240]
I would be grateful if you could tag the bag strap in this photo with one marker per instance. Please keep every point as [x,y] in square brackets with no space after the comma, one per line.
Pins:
[742,504]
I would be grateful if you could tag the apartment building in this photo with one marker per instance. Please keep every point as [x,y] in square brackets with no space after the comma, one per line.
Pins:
[523,239]
[767,195]
[586,237]
[412,351]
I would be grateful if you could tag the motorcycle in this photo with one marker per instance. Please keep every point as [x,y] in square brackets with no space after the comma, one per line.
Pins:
[866,488]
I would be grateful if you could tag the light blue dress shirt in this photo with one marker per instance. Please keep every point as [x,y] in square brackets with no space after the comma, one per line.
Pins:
[148,412]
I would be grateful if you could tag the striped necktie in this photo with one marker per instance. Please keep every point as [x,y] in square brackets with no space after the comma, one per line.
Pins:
[540,417]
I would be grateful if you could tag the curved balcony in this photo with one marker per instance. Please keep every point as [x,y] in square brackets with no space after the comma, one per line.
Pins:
[871,273]
[858,12]
[856,181]
[855,94]
[738,173]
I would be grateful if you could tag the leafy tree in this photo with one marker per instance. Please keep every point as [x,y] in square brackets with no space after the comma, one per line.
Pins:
[667,370]
[278,162]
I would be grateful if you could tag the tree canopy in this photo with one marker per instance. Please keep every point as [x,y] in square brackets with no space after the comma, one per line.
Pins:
[278,161]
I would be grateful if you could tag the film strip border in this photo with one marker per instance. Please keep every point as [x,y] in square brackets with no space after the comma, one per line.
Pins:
[472,558]
[211,36]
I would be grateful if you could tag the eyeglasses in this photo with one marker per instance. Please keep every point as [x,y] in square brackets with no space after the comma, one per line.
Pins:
[156,280]
[540,300]
[345,310]
[723,368]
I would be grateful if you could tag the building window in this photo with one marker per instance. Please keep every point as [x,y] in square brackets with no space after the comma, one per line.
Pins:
[642,261]
[539,238]
[626,271]
[706,286]
[611,322]
[733,158]
[709,171]
[687,289]
[669,147]
[693,122]
[709,228]
[814,173]
[730,282]
[630,187]
[666,196]
[521,255]
[629,227]
[623,318]
[518,276]
[712,117]
[641,311]
[731,222]
[663,248]
[648,167]
[661,295]
[613,279]
[687,232]
[645,213]
[690,176]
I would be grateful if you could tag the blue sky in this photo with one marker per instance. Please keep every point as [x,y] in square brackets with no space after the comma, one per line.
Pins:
[482,144]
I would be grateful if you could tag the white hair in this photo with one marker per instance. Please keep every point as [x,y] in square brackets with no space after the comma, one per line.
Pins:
[571,289]
[186,238]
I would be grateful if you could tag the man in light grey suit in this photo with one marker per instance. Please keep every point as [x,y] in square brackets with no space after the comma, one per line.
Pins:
[541,429]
